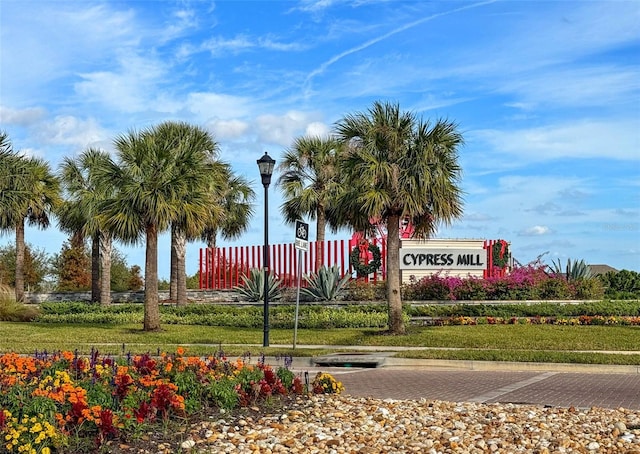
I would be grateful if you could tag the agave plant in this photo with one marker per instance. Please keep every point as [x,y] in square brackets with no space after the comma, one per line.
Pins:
[326,285]
[574,270]
[253,286]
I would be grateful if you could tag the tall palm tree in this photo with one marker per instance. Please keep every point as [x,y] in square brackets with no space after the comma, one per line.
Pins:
[230,211]
[398,166]
[197,162]
[231,208]
[157,184]
[79,215]
[30,193]
[310,180]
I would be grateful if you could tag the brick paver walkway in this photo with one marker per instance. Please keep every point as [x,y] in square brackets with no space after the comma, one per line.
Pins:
[581,390]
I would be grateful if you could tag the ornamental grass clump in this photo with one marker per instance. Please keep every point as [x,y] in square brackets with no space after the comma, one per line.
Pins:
[64,402]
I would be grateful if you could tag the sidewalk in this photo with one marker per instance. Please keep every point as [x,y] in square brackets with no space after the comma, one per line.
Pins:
[546,384]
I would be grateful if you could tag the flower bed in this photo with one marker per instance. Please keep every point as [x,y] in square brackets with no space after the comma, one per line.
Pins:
[49,402]
[586,320]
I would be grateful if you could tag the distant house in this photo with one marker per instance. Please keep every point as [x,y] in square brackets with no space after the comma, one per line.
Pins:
[597,270]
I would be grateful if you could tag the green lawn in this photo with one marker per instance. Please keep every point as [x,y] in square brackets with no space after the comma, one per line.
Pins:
[481,342]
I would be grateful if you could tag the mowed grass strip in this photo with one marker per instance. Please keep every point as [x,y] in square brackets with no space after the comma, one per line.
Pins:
[552,343]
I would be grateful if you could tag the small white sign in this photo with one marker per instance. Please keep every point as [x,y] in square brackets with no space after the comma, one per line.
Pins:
[302,236]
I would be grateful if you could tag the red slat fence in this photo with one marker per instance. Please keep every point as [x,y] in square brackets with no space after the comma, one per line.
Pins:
[223,267]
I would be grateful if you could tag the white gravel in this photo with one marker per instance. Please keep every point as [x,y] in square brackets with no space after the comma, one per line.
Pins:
[341,424]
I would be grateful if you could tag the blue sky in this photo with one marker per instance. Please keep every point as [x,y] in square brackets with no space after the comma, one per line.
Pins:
[546,93]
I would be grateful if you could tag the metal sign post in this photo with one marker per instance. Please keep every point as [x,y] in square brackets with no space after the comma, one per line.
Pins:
[301,244]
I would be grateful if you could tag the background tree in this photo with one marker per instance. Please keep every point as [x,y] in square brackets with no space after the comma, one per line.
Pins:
[398,166]
[78,215]
[29,193]
[73,267]
[37,266]
[124,277]
[310,181]
[155,188]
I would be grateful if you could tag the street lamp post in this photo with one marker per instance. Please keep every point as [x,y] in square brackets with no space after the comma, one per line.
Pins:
[265,165]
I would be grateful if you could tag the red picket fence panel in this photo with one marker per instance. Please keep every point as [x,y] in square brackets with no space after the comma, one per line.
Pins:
[223,267]
[492,271]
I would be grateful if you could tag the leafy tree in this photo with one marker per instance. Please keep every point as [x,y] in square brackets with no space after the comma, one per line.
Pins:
[623,284]
[78,215]
[193,282]
[310,181]
[135,282]
[123,277]
[398,166]
[157,184]
[37,266]
[29,192]
[73,267]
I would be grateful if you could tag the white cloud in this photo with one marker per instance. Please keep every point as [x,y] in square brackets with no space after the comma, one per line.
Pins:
[581,139]
[213,105]
[129,88]
[228,129]
[21,117]
[593,86]
[283,129]
[317,129]
[57,36]
[69,130]
[536,230]
[240,43]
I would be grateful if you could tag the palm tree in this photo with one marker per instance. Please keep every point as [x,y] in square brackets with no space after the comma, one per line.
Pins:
[12,167]
[310,181]
[232,205]
[197,162]
[30,192]
[399,166]
[231,208]
[78,215]
[157,184]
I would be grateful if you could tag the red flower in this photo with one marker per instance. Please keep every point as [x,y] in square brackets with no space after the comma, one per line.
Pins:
[143,412]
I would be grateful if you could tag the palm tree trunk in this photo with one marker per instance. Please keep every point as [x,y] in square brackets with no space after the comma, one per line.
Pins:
[181,274]
[20,261]
[321,223]
[95,268]
[396,323]
[105,265]
[173,279]
[151,308]
[211,257]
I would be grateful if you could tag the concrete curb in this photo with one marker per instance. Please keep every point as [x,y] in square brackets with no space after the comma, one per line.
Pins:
[393,362]
[390,362]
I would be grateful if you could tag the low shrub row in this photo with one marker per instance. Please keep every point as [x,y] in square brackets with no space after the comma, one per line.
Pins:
[317,317]
[374,316]
[603,308]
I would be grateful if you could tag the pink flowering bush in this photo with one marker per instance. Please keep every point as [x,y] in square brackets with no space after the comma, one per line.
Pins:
[530,282]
